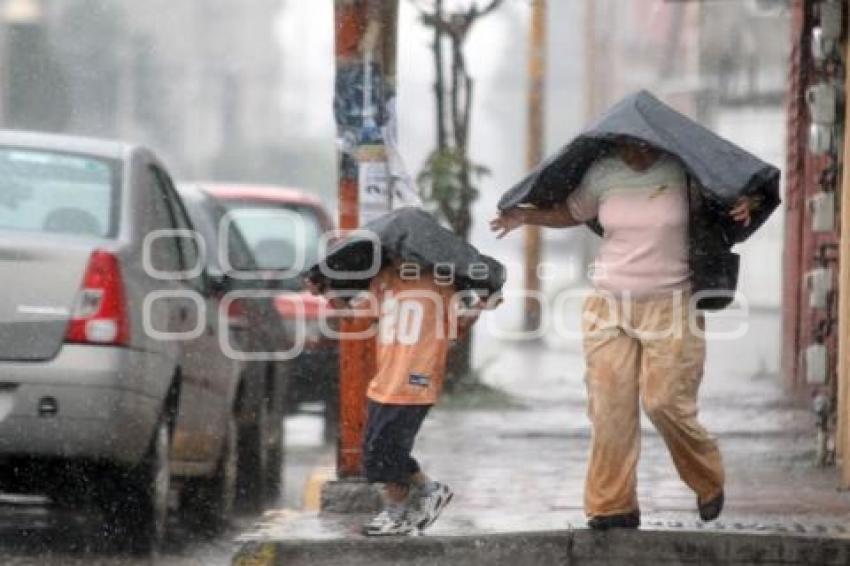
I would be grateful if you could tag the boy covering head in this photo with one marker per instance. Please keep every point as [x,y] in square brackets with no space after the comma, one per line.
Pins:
[419,308]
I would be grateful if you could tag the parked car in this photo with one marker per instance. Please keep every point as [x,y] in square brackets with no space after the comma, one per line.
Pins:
[263,379]
[98,400]
[282,226]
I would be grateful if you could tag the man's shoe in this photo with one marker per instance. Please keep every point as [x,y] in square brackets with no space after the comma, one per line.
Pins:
[621,521]
[710,510]
[389,523]
[432,499]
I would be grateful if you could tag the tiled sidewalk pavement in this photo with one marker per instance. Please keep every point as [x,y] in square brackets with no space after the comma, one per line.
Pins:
[531,461]
[519,472]
[523,468]
[518,476]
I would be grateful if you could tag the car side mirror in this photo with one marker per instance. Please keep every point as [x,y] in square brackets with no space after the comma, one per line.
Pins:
[219,284]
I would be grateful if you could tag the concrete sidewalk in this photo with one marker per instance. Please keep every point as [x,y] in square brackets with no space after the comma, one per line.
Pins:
[518,474]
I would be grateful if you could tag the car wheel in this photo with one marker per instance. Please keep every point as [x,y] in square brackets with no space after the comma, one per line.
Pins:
[208,502]
[254,460]
[136,503]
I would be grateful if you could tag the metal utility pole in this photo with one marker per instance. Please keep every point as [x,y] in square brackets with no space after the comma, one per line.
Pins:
[536,94]
[365,34]
[590,77]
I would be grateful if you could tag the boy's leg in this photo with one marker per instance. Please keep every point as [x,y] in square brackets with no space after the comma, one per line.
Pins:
[388,440]
[432,498]
[429,497]
[420,479]
[386,446]
[396,492]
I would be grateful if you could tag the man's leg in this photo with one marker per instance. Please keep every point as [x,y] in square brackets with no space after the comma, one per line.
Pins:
[612,388]
[671,373]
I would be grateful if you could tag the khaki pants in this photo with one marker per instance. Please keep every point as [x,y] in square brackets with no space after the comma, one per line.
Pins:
[651,350]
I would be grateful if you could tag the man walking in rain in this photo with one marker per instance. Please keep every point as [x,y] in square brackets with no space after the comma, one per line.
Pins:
[644,174]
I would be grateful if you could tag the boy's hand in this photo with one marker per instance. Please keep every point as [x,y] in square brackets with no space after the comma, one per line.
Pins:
[492,302]
[466,321]
[467,317]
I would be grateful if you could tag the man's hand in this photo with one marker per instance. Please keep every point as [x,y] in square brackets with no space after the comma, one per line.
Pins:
[506,222]
[742,211]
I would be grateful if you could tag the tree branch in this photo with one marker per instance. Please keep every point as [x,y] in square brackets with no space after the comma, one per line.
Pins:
[457,129]
[490,7]
[454,91]
[431,20]
[440,81]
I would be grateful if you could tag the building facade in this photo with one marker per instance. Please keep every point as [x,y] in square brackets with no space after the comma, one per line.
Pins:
[816,305]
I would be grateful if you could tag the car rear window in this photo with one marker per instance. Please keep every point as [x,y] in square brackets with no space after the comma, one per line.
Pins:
[279,235]
[207,217]
[56,192]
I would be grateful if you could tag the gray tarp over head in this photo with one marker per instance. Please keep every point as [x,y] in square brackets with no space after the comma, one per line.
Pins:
[723,170]
[410,235]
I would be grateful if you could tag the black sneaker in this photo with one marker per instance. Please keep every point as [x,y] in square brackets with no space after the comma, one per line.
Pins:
[621,521]
[710,510]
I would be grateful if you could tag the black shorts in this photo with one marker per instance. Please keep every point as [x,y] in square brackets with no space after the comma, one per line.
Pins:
[388,441]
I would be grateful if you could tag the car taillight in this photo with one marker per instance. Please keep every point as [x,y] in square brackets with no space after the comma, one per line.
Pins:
[237,315]
[100,313]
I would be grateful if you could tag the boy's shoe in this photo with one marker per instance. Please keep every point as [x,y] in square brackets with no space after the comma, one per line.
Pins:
[621,521]
[389,522]
[432,499]
[710,510]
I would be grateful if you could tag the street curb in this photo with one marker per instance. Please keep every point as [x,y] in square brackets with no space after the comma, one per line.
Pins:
[315,486]
[256,554]
[578,547]
[350,496]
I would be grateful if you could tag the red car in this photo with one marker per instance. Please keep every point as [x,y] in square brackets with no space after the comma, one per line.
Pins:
[283,227]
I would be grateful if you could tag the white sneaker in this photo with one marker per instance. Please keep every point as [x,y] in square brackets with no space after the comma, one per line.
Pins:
[389,522]
[432,500]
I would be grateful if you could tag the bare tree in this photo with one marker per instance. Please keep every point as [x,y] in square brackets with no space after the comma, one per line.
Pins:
[448,178]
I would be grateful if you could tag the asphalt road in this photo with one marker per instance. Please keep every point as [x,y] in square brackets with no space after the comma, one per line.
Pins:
[33,533]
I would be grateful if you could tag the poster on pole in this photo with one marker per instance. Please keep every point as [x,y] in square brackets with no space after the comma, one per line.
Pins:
[374,197]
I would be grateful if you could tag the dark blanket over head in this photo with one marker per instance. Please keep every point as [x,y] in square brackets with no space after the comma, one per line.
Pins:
[410,235]
[723,170]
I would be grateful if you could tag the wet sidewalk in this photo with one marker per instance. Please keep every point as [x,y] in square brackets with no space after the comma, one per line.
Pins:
[519,468]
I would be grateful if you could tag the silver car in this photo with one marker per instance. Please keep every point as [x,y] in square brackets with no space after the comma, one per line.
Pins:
[112,381]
